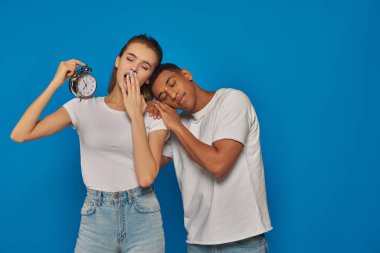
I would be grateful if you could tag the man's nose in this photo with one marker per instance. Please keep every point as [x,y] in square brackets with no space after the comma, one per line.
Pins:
[172,94]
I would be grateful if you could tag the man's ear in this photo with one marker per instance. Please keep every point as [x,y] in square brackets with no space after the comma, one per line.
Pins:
[187,74]
[117,62]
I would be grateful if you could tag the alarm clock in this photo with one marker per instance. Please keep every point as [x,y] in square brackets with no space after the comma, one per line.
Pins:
[82,84]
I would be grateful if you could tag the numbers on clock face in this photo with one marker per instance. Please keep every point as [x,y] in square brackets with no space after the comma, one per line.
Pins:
[86,85]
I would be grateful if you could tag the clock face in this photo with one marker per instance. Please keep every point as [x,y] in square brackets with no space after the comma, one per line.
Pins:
[86,85]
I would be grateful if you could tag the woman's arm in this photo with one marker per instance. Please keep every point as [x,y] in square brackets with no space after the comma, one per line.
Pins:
[29,128]
[146,150]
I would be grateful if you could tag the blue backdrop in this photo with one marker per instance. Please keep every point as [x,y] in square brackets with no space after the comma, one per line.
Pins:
[311,69]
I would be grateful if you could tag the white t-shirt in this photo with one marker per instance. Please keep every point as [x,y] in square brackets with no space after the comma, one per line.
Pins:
[106,146]
[234,208]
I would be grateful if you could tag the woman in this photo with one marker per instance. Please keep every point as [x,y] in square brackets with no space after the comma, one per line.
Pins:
[120,151]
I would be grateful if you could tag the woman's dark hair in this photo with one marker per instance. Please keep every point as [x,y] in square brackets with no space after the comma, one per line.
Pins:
[151,43]
[165,66]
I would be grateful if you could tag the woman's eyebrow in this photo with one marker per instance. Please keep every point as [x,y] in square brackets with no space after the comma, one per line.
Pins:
[147,63]
[144,61]
[132,55]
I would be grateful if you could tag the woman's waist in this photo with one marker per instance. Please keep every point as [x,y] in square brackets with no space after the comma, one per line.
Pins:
[129,195]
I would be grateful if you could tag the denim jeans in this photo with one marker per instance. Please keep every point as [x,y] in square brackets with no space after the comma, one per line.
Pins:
[128,221]
[255,244]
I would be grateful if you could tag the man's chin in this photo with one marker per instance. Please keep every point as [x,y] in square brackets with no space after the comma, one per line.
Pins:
[177,107]
[189,110]
[174,106]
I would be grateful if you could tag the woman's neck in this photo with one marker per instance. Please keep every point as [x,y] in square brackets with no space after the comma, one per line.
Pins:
[115,98]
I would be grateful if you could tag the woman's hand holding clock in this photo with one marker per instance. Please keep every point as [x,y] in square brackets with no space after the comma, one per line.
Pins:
[64,71]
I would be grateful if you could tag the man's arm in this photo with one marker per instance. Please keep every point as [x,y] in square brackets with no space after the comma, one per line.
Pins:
[217,158]
[165,160]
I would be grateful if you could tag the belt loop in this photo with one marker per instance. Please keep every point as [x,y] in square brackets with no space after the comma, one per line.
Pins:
[130,199]
[99,198]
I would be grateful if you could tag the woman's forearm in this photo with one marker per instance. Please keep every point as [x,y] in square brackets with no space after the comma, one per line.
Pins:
[145,164]
[29,119]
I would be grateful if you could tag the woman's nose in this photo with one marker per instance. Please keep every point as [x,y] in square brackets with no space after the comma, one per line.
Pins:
[135,67]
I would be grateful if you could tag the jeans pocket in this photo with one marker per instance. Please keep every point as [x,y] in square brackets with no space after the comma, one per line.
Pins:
[252,242]
[146,203]
[88,207]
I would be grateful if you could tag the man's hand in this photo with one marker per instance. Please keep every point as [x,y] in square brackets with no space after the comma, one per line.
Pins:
[152,110]
[169,115]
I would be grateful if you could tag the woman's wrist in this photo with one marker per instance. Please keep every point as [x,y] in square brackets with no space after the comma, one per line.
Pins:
[136,117]
[54,85]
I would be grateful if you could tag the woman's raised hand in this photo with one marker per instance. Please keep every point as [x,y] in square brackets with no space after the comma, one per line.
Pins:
[65,70]
[134,102]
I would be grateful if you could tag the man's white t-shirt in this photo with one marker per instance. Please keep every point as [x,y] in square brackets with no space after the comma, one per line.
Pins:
[235,207]
[106,146]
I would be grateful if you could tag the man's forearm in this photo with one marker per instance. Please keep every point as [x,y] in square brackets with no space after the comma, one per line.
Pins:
[205,155]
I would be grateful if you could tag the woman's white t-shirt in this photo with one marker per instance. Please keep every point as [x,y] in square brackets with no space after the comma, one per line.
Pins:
[106,146]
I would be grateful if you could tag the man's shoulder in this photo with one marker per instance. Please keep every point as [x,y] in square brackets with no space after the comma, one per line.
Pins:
[228,93]
[232,96]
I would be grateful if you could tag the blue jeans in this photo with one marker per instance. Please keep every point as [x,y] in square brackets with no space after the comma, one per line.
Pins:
[255,244]
[128,221]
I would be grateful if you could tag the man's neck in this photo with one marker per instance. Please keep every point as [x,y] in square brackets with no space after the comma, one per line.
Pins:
[202,98]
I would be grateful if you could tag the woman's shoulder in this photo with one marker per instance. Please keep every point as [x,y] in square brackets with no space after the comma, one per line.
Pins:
[83,104]
[85,101]
[149,119]
[153,124]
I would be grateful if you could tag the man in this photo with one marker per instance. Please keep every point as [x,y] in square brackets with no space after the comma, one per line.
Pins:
[215,147]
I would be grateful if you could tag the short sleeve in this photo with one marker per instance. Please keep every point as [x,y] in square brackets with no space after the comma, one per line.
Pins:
[72,107]
[167,150]
[152,124]
[235,118]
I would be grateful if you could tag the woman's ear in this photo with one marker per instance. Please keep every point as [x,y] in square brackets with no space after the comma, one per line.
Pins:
[117,62]
[187,74]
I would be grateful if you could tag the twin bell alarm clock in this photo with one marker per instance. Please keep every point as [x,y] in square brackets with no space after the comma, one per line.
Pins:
[82,84]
